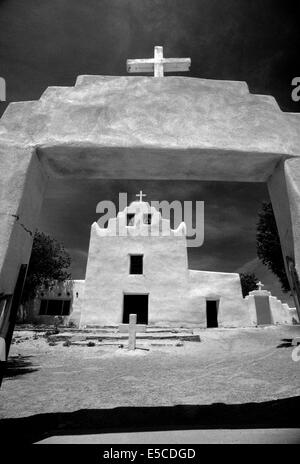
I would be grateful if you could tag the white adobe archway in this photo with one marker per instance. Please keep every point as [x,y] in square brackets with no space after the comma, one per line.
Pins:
[145,128]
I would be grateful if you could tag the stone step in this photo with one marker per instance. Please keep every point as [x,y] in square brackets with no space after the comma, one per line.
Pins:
[100,331]
[141,345]
[95,329]
[142,327]
[123,337]
[169,329]
[105,328]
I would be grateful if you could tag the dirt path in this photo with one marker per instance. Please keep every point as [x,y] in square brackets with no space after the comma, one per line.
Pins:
[228,366]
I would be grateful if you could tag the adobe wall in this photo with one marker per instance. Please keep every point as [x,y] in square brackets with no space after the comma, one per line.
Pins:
[222,286]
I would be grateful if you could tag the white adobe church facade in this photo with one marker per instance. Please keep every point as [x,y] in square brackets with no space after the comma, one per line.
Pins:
[138,264]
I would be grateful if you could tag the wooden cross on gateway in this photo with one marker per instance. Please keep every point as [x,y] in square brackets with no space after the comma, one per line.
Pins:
[158,64]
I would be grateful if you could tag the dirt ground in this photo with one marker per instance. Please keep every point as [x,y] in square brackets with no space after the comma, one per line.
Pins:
[229,366]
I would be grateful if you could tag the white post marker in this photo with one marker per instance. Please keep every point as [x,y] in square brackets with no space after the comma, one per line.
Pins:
[159,65]
[132,332]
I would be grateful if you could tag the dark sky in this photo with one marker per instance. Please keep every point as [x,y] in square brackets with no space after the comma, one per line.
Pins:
[230,211]
[50,42]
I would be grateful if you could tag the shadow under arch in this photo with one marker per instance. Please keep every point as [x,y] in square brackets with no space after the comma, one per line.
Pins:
[282,413]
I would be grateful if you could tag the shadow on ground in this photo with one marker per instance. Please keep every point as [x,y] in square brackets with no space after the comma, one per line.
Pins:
[286,343]
[18,365]
[284,413]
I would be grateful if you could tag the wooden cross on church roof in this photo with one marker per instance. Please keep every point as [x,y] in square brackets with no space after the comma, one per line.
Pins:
[260,286]
[158,64]
[141,195]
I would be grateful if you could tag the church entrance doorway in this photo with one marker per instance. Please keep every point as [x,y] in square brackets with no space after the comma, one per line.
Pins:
[135,304]
[212,313]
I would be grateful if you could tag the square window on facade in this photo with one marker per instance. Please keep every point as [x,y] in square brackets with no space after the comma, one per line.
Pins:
[147,219]
[43,307]
[55,307]
[66,307]
[136,264]
[130,219]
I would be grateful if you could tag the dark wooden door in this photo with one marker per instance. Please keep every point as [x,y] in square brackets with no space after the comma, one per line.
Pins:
[136,304]
[212,313]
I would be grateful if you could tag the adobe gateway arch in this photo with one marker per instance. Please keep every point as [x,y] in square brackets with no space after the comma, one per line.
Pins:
[145,128]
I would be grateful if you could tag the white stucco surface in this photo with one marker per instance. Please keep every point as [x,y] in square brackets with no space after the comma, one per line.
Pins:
[224,287]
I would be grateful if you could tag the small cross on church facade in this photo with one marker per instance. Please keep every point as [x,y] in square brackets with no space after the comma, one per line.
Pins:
[159,65]
[260,286]
[141,195]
